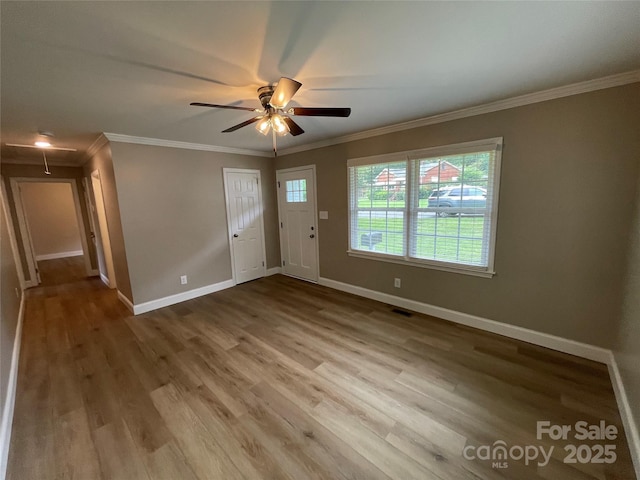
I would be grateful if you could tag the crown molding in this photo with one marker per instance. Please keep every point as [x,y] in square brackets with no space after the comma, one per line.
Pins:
[519,101]
[158,142]
[97,144]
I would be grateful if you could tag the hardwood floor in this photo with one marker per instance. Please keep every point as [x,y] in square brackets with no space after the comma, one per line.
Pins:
[60,271]
[281,379]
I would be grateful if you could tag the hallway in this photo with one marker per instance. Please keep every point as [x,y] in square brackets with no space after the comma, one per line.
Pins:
[60,271]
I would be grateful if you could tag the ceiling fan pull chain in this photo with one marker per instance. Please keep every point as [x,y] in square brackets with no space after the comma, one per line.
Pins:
[275,151]
[46,165]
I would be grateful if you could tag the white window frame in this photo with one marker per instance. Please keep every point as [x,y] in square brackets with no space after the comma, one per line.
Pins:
[494,144]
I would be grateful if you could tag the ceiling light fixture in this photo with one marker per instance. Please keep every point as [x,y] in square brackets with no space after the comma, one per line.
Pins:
[279,125]
[264,125]
[62,149]
[275,121]
[43,144]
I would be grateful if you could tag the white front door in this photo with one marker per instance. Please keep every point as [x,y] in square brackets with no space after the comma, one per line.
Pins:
[245,220]
[298,224]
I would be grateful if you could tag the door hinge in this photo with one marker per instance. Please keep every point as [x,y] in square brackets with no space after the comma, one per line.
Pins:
[257,182]
[278,183]
[283,263]
[263,264]
[281,225]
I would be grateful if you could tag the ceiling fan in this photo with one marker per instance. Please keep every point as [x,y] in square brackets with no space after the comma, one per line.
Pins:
[274,116]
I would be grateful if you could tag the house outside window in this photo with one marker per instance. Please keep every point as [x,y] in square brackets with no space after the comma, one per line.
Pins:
[434,208]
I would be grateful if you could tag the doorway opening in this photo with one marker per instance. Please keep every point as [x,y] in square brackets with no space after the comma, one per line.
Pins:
[52,230]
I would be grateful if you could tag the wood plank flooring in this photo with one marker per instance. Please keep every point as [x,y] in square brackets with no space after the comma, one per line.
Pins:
[281,379]
[61,270]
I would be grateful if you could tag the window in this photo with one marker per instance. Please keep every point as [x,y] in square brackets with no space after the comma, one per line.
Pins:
[433,208]
[296,191]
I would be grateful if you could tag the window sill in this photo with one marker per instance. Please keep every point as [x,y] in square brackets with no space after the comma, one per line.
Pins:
[445,267]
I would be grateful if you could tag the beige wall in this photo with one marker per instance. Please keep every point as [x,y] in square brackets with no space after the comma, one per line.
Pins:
[9,306]
[174,218]
[36,171]
[102,162]
[566,194]
[51,213]
[627,347]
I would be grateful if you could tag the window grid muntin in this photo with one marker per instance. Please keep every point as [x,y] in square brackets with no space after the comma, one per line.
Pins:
[381,178]
[296,190]
[463,239]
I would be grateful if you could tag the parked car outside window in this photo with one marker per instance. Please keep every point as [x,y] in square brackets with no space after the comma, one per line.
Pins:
[465,197]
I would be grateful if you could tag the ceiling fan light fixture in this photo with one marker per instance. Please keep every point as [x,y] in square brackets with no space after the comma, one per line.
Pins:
[275,117]
[42,144]
[264,125]
[279,125]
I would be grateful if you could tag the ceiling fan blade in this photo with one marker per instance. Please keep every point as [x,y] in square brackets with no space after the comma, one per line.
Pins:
[321,112]
[243,124]
[294,128]
[284,91]
[230,107]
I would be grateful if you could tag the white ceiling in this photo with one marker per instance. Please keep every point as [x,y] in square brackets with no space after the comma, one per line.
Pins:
[82,68]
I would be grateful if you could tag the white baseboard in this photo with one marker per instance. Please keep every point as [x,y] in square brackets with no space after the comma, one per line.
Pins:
[9,403]
[53,256]
[125,300]
[105,280]
[561,344]
[137,309]
[630,428]
[181,297]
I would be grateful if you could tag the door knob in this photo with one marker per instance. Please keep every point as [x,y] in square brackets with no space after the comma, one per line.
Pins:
[312,236]
[235,235]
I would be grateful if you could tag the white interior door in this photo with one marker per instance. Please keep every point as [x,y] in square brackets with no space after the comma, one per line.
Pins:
[25,236]
[245,220]
[29,241]
[108,277]
[95,228]
[298,224]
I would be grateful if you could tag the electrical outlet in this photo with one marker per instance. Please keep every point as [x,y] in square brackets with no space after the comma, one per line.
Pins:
[397,282]
[183,279]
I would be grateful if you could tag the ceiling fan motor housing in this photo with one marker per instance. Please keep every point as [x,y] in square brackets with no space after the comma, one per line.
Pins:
[264,94]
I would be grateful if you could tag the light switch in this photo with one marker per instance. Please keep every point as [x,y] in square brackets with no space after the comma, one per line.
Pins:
[324,215]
